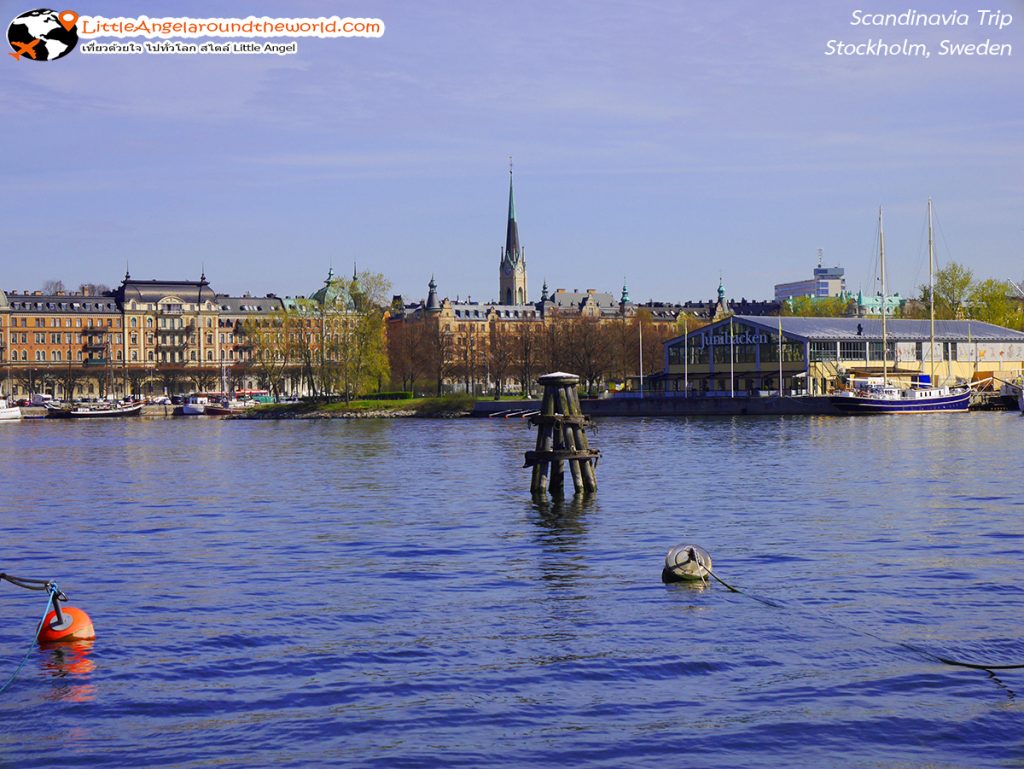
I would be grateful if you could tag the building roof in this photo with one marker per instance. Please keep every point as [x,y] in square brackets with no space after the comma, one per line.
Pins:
[241,305]
[152,291]
[905,330]
[79,304]
[573,300]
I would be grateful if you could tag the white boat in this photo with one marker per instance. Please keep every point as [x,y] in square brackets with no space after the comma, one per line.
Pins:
[8,412]
[195,405]
[94,410]
[885,398]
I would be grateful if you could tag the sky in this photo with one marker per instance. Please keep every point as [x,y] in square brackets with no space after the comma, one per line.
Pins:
[667,144]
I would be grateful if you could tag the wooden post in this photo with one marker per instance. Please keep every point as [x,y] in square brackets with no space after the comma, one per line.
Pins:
[561,438]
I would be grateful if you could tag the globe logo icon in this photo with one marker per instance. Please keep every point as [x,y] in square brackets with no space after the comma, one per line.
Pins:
[43,35]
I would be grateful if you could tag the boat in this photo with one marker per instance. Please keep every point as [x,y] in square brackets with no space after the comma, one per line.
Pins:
[884,397]
[8,412]
[228,406]
[195,405]
[93,410]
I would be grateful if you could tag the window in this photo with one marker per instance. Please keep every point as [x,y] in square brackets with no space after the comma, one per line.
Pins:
[209,354]
[875,350]
[135,322]
[852,351]
[135,355]
[823,351]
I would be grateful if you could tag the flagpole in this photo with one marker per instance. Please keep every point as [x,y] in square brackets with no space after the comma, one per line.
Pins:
[640,325]
[686,361]
[780,353]
[732,358]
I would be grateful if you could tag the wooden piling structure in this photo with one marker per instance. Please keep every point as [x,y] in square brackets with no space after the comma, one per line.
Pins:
[561,438]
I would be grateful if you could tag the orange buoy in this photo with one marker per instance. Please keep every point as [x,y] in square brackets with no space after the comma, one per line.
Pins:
[76,626]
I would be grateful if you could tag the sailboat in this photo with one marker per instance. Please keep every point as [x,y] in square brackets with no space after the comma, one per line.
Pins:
[887,398]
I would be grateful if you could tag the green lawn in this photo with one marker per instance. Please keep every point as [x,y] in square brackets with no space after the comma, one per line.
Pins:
[424,406]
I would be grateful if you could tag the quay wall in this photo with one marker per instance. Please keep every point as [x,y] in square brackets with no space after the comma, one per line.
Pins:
[703,406]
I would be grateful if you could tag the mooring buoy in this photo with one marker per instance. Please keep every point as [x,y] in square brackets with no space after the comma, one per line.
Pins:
[66,623]
[685,563]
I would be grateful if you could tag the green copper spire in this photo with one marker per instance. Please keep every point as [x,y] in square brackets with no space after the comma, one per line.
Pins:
[512,251]
[511,196]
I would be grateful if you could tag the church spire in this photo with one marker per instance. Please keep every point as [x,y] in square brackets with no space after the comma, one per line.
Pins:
[512,251]
[512,270]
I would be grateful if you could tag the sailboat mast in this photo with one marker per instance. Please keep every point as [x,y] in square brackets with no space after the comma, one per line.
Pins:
[931,295]
[881,262]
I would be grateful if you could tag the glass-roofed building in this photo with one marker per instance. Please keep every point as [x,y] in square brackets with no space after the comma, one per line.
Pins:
[744,355]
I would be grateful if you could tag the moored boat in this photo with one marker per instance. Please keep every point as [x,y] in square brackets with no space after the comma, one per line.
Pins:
[893,400]
[886,398]
[195,405]
[8,412]
[94,410]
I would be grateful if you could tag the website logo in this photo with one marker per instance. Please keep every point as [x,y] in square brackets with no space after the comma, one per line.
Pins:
[43,35]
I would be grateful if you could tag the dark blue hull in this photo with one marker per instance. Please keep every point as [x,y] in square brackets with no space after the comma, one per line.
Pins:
[867,405]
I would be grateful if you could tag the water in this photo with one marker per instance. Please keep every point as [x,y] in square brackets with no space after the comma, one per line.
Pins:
[385,594]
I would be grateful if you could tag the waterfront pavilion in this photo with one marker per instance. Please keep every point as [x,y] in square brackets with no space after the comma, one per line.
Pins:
[749,355]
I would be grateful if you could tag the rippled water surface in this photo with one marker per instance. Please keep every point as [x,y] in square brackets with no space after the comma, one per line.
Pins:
[386,594]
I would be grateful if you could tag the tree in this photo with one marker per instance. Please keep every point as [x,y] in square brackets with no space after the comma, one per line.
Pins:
[815,306]
[990,301]
[407,342]
[270,350]
[31,380]
[53,286]
[93,289]
[529,342]
[953,285]
[440,353]
[69,378]
[501,354]
[203,379]
[589,350]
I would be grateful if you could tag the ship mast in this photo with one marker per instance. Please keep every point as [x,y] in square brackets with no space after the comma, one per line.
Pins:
[931,296]
[881,262]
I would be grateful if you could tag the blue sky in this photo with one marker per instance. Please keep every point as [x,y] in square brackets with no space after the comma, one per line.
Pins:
[663,142]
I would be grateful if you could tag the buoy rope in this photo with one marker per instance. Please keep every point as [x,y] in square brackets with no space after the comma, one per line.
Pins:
[903,644]
[52,595]
[32,584]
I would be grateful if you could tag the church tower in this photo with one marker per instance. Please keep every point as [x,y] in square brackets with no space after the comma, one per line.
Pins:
[512,274]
